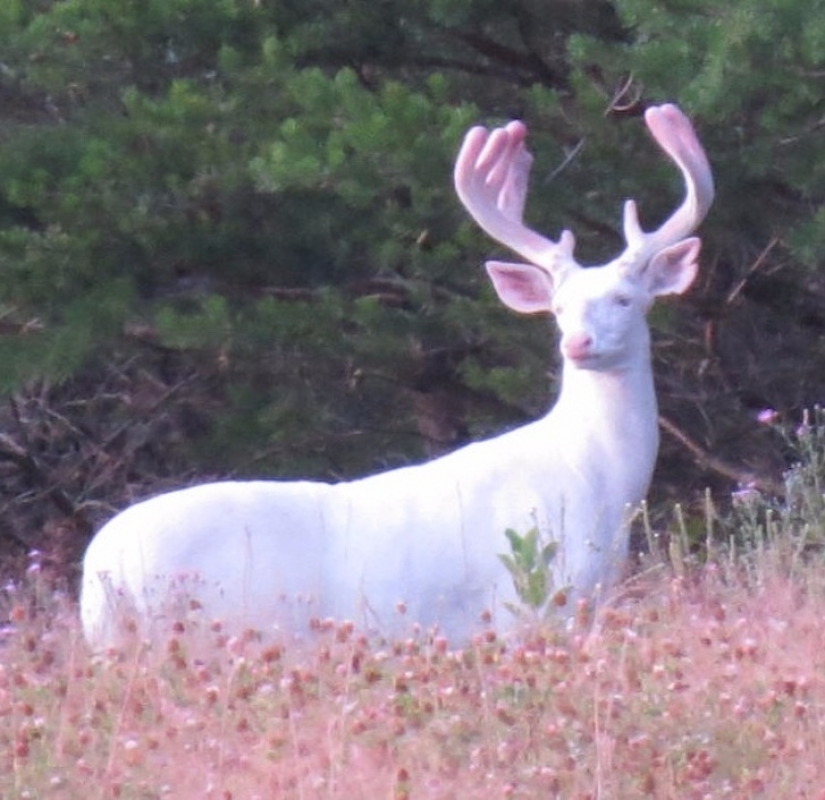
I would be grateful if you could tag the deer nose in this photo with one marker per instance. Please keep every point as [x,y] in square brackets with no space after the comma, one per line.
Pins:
[577,346]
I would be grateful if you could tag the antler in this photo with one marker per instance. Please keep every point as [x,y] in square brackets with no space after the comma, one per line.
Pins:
[675,135]
[492,172]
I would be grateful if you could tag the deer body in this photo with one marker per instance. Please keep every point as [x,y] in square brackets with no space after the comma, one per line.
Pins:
[265,553]
[260,553]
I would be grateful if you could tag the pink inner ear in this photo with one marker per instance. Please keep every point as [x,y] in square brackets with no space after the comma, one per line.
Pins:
[673,269]
[522,287]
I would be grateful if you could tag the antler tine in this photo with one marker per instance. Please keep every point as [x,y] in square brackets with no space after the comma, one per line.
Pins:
[674,133]
[492,173]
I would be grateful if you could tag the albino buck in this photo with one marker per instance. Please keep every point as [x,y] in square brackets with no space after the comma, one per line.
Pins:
[274,554]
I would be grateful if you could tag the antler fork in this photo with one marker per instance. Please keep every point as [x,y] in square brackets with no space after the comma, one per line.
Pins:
[674,133]
[492,173]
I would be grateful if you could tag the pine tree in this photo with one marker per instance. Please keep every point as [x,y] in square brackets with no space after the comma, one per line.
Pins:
[229,243]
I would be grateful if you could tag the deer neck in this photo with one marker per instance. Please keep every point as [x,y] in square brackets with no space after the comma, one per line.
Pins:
[614,413]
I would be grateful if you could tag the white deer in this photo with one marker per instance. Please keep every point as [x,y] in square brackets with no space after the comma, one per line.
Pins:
[272,555]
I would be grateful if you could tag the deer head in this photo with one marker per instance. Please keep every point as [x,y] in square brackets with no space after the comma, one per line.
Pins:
[594,306]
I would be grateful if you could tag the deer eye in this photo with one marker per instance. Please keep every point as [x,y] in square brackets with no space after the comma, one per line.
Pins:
[622,300]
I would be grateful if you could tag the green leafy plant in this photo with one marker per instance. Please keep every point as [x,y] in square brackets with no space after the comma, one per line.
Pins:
[528,563]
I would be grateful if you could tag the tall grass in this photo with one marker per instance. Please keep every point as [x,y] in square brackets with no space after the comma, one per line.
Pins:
[699,688]
[706,680]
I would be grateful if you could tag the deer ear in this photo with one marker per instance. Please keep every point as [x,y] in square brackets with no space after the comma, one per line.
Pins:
[672,269]
[522,287]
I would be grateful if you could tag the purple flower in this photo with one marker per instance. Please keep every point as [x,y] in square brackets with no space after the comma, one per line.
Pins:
[767,416]
[747,493]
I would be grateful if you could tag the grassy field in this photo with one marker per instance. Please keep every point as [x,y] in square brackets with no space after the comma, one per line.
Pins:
[705,679]
[702,686]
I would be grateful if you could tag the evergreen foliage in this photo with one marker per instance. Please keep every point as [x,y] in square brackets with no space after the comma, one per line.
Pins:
[229,243]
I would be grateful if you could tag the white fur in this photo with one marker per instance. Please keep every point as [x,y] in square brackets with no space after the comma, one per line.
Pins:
[273,554]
